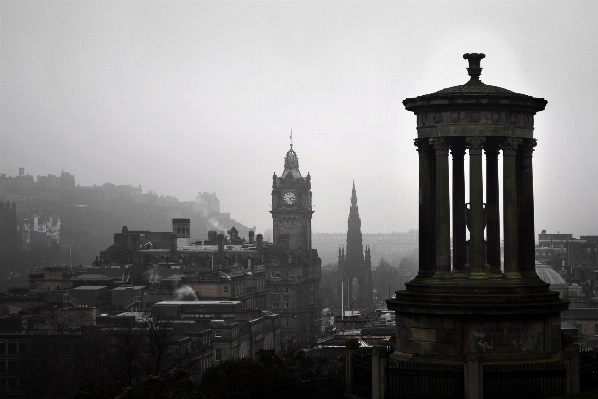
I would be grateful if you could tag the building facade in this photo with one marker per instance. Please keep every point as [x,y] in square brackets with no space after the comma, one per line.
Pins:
[292,266]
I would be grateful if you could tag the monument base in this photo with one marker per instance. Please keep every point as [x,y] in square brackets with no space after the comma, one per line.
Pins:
[493,335]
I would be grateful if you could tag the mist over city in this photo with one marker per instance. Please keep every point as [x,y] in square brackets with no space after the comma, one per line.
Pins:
[202,96]
[370,199]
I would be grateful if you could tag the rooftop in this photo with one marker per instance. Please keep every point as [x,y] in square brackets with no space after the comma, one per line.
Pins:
[550,276]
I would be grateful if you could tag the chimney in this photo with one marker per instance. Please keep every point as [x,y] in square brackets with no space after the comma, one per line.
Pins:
[251,236]
[258,244]
[220,243]
[212,236]
[21,171]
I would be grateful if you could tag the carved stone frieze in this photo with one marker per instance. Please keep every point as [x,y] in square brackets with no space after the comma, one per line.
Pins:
[477,117]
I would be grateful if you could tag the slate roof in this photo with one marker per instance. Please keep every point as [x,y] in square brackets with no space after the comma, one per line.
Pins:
[92,276]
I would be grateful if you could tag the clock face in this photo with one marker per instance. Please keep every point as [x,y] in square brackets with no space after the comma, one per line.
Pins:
[289,198]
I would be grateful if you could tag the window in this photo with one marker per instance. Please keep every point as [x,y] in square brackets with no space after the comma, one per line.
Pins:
[66,348]
[286,290]
[226,288]
[595,329]
[22,347]
[12,366]
[218,354]
[218,333]
[278,273]
[12,347]
[275,290]
[286,303]
[2,347]
[2,366]
[274,304]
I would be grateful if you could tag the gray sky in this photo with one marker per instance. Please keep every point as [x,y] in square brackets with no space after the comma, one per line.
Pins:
[181,97]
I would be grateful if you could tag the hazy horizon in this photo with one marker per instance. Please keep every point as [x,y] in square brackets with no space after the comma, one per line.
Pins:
[196,96]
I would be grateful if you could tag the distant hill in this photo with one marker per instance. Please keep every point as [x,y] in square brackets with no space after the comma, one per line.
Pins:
[90,215]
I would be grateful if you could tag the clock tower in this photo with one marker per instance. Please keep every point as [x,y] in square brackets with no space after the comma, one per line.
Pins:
[291,205]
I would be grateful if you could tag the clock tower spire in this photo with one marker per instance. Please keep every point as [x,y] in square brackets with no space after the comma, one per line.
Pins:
[291,204]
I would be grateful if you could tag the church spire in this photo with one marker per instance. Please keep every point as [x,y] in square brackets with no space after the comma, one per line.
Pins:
[354,238]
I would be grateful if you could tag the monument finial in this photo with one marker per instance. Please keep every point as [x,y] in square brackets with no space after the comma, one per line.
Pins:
[474,69]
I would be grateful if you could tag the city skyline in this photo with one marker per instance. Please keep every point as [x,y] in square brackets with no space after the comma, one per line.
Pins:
[202,96]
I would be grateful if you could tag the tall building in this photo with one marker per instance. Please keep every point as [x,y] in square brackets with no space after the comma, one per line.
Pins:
[291,204]
[354,268]
[292,266]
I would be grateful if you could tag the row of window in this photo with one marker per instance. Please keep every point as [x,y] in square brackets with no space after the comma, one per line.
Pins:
[10,366]
[276,303]
[21,347]
[10,347]
[275,290]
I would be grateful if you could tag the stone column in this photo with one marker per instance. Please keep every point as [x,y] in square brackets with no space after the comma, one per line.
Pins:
[459,228]
[527,239]
[443,210]
[426,208]
[509,151]
[379,363]
[571,361]
[351,346]
[473,383]
[477,258]
[492,208]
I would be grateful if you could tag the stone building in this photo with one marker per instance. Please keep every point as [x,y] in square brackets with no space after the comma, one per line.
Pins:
[354,267]
[282,277]
[292,266]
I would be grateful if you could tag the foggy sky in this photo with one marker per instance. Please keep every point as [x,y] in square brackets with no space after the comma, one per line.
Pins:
[181,97]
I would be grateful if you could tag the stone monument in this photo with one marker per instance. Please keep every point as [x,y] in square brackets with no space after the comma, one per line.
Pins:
[465,307]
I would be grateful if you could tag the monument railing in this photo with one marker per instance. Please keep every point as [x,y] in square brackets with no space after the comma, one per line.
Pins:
[424,380]
[329,386]
[588,369]
[362,372]
[526,381]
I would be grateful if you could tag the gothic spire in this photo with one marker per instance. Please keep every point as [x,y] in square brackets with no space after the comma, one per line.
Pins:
[354,238]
